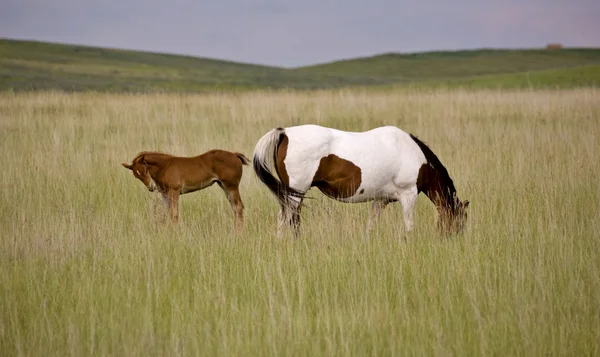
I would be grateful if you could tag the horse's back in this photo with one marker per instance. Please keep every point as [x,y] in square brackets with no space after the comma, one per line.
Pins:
[376,145]
[197,172]
[224,164]
[387,157]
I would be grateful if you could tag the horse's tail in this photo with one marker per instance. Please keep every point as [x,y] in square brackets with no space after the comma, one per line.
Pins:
[243,158]
[265,156]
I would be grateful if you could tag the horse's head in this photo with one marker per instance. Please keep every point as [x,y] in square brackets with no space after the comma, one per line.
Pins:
[139,167]
[453,219]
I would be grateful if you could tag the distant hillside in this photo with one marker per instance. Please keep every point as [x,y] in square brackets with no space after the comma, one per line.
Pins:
[584,76]
[29,65]
[458,64]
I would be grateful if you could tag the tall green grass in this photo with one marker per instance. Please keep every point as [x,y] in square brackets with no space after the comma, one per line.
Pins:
[85,269]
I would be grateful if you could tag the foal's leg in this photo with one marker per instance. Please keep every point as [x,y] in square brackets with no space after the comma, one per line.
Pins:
[160,211]
[376,210]
[173,198]
[408,198]
[235,200]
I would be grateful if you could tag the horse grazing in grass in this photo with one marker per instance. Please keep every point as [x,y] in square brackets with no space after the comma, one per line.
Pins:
[383,165]
[173,176]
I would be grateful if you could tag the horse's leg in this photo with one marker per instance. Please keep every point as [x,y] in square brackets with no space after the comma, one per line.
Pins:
[284,218]
[161,210]
[173,198]
[289,215]
[378,206]
[155,208]
[235,200]
[281,219]
[295,219]
[408,198]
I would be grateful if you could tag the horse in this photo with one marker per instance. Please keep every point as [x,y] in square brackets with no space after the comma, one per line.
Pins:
[382,165]
[173,176]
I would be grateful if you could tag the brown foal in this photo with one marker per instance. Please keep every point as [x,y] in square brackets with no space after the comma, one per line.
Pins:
[173,176]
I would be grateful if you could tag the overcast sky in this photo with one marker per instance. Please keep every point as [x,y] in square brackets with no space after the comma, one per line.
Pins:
[294,33]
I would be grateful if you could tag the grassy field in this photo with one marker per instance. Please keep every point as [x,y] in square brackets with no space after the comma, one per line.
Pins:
[34,66]
[84,270]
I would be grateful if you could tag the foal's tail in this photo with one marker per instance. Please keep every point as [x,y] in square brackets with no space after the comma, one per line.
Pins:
[265,156]
[243,158]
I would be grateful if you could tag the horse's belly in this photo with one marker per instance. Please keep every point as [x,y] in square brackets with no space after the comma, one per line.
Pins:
[358,198]
[189,187]
[369,191]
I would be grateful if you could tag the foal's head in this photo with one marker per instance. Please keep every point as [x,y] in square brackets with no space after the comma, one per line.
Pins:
[453,219]
[139,167]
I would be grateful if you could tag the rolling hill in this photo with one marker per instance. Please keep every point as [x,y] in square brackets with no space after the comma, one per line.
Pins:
[30,65]
[457,64]
[27,65]
[575,77]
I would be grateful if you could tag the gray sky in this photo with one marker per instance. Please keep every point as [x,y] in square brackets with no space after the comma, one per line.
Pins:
[294,33]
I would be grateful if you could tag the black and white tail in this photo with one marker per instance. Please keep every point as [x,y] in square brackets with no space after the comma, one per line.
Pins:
[265,156]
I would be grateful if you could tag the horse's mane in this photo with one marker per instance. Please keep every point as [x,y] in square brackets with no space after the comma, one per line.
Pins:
[437,165]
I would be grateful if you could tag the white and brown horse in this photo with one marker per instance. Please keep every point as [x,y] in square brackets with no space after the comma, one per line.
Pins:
[173,176]
[383,165]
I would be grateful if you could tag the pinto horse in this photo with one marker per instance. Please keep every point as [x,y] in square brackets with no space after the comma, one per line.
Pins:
[382,165]
[173,176]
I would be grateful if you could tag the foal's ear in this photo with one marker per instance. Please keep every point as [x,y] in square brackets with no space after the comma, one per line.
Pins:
[130,167]
[466,204]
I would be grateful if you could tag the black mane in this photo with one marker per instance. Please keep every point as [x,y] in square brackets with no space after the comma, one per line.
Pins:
[437,165]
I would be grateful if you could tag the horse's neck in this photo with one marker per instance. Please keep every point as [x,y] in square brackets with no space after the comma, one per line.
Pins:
[156,158]
[155,163]
[439,192]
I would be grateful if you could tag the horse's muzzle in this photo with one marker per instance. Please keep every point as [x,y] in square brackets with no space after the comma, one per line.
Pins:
[152,186]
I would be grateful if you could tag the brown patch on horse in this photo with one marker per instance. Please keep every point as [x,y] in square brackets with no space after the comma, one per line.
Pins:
[336,177]
[430,183]
[280,155]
